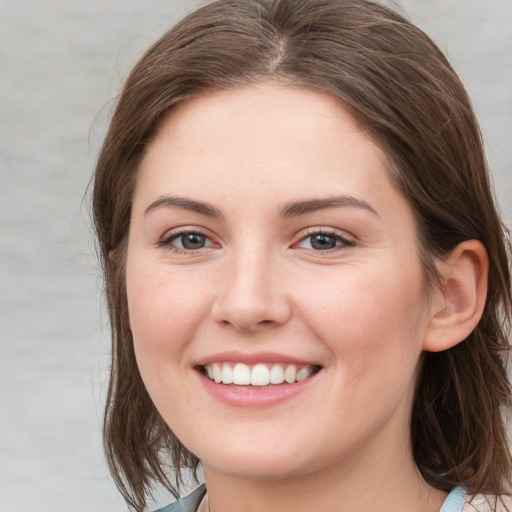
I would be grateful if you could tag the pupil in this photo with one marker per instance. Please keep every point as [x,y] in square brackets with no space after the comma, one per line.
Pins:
[193,241]
[323,242]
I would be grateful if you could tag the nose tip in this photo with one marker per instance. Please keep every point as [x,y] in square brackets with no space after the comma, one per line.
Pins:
[249,316]
[249,302]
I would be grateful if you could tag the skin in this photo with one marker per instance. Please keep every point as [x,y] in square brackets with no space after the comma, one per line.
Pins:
[358,308]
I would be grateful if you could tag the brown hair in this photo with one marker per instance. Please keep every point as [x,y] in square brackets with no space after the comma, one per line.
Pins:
[400,87]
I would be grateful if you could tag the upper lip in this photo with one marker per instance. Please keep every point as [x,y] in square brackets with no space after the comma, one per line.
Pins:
[252,358]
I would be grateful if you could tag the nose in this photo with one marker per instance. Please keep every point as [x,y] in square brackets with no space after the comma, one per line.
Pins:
[252,296]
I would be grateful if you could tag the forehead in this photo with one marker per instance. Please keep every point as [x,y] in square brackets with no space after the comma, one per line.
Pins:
[263,133]
[264,107]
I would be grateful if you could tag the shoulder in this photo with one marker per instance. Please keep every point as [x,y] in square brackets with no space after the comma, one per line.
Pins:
[188,504]
[484,503]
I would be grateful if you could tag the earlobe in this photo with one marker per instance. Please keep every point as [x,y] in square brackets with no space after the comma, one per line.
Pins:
[458,303]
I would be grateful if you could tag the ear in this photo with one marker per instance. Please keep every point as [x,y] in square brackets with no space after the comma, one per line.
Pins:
[458,303]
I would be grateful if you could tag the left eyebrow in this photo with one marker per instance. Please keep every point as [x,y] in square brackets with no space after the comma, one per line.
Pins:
[296,208]
[184,203]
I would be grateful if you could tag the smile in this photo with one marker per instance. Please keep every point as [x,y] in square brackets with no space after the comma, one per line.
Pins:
[260,374]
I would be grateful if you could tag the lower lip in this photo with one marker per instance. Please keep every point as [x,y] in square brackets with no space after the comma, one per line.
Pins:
[253,396]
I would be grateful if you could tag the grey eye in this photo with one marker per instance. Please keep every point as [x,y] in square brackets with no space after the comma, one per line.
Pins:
[191,241]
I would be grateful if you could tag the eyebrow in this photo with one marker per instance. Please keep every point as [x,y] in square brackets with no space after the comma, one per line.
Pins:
[185,204]
[296,208]
[290,209]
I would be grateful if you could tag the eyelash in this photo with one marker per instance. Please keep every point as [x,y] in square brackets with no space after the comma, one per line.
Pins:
[168,241]
[340,241]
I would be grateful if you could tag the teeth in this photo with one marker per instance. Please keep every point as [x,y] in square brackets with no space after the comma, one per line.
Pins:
[260,374]
[304,373]
[290,373]
[241,374]
[276,374]
[227,374]
[217,373]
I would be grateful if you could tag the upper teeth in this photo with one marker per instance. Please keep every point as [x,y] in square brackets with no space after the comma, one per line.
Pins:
[257,375]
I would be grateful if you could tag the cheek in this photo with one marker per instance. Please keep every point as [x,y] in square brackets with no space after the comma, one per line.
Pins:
[164,313]
[373,328]
[164,310]
[369,319]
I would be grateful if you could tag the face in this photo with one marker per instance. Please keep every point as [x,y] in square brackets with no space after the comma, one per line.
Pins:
[275,293]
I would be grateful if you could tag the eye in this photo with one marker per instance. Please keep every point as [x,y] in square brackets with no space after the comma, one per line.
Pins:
[323,241]
[191,241]
[187,241]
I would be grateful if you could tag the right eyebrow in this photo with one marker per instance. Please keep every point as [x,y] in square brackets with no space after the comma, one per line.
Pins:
[185,204]
[296,208]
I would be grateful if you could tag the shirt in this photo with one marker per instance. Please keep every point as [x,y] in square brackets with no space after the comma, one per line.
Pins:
[456,501]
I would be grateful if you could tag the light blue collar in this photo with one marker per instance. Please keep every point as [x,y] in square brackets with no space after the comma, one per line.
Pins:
[455,500]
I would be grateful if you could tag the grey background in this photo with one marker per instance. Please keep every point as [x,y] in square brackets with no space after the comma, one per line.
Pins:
[61,63]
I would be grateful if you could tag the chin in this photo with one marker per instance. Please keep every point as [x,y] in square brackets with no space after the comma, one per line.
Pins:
[263,461]
[266,468]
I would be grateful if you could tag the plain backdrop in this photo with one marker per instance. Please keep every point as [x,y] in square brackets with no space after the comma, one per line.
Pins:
[61,65]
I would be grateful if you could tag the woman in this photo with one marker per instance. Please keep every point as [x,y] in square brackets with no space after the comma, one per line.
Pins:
[307,278]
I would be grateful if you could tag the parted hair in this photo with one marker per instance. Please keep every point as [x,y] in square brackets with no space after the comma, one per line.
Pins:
[399,86]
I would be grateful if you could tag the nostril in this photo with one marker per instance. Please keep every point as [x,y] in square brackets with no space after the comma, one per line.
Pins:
[250,312]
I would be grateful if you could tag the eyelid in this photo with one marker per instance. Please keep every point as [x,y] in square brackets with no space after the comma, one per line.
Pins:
[342,236]
[346,239]
[169,236]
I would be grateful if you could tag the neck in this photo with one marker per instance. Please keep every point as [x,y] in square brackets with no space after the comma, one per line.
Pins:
[387,484]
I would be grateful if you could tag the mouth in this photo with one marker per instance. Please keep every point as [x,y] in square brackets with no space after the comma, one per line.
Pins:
[258,375]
